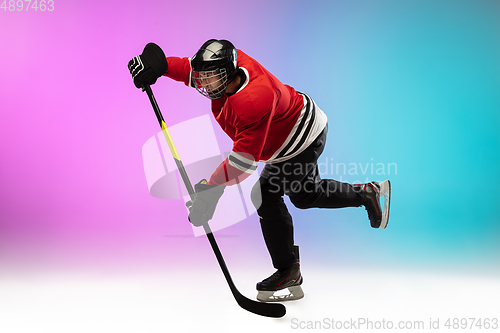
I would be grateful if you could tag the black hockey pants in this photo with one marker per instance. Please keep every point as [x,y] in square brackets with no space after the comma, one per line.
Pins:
[299,179]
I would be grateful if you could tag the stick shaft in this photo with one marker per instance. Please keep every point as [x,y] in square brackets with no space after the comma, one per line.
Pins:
[263,309]
[170,143]
[187,183]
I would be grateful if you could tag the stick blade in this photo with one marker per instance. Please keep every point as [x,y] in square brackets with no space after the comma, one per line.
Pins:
[264,309]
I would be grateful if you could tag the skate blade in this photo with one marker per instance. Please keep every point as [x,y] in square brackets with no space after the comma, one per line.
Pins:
[385,190]
[272,296]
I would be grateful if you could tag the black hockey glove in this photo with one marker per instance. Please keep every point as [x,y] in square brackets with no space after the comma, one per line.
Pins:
[202,207]
[149,66]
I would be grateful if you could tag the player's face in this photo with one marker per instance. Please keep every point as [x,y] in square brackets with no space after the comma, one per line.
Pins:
[211,84]
[209,80]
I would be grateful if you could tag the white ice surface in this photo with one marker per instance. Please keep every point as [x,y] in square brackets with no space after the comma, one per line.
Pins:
[191,301]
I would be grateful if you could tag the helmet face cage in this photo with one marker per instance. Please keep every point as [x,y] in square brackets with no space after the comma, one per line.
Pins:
[211,84]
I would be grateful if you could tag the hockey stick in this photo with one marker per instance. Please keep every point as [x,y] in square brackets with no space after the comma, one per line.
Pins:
[263,309]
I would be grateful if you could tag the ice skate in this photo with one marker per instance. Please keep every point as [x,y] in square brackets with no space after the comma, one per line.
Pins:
[288,278]
[372,192]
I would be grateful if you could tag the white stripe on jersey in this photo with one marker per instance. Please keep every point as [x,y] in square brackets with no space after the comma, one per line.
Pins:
[246,80]
[304,137]
[242,163]
[190,74]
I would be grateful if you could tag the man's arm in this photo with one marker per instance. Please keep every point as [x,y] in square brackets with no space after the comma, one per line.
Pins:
[251,136]
[179,69]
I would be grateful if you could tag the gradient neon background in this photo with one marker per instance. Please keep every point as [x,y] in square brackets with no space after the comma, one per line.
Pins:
[415,83]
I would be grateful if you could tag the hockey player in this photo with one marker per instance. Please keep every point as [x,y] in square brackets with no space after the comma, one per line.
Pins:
[268,122]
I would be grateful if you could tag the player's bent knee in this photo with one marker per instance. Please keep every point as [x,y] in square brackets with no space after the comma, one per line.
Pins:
[302,201]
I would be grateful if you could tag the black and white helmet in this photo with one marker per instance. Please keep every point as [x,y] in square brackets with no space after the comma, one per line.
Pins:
[213,67]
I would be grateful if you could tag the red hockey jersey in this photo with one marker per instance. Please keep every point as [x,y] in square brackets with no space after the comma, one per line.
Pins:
[260,117]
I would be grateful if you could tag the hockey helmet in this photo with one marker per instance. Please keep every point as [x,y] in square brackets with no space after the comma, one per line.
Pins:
[213,68]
